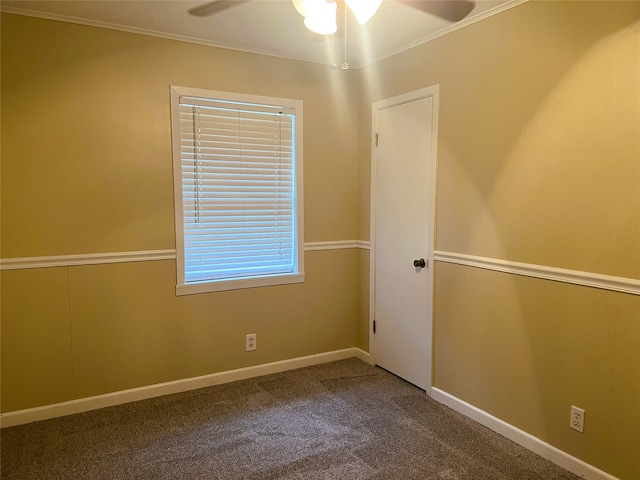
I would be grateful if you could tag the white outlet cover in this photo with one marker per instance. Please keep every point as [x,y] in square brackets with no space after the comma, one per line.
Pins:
[576,420]
[250,342]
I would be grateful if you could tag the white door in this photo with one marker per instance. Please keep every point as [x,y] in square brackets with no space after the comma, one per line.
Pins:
[402,233]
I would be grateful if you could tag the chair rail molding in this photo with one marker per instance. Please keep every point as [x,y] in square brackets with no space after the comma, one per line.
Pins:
[24,263]
[576,277]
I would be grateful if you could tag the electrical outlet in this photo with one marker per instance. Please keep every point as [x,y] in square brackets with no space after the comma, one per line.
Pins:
[577,419]
[251,342]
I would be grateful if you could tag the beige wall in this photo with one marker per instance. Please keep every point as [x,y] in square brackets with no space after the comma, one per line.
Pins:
[538,162]
[75,332]
[525,350]
[86,135]
[87,168]
[538,134]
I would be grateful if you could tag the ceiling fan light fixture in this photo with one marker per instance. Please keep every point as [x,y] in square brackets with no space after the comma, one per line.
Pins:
[363,9]
[306,8]
[323,18]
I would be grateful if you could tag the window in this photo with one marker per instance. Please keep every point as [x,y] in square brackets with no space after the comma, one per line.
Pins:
[237,163]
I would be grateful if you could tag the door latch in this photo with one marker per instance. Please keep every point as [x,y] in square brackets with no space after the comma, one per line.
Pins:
[419,263]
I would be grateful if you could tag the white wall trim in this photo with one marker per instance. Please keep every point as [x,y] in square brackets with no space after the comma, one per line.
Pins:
[521,437]
[151,33]
[199,41]
[364,244]
[576,277]
[364,356]
[450,29]
[85,259]
[141,256]
[71,407]
[335,245]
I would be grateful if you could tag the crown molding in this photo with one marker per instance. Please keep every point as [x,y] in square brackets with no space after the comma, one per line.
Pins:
[447,30]
[199,41]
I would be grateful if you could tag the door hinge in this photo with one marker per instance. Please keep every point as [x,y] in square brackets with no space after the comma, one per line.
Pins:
[374,326]
[376,139]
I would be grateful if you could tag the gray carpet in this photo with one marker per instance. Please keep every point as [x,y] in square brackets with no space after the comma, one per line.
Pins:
[342,420]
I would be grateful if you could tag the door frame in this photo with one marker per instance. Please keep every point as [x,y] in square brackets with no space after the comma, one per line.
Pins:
[433,92]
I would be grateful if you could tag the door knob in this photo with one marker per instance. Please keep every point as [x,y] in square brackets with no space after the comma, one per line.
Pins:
[419,263]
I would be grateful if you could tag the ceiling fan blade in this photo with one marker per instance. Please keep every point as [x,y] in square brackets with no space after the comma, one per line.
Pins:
[211,8]
[451,10]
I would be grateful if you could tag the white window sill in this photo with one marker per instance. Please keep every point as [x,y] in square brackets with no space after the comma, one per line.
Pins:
[219,286]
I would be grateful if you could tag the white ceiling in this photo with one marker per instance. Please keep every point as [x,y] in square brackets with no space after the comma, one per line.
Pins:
[271,27]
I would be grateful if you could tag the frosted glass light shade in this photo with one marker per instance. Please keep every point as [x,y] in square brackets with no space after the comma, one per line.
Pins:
[322,19]
[306,8]
[363,9]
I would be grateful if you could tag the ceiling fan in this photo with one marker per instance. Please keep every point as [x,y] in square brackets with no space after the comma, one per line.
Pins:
[320,15]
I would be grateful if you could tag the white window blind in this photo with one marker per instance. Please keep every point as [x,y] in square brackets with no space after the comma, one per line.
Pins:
[238,182]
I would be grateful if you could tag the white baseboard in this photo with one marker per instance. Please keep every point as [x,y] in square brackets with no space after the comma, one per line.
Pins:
[71,407]
[364,356]
[521,437]
[534,444]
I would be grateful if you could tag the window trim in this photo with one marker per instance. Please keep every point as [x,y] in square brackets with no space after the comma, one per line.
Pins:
[183,288]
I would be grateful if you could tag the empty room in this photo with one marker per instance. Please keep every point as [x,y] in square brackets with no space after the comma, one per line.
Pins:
[206,271]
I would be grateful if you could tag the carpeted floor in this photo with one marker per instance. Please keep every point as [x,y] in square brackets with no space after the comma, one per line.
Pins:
[342,420]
